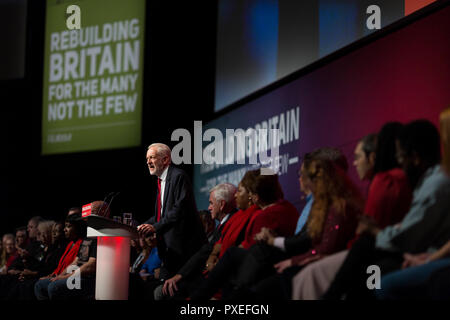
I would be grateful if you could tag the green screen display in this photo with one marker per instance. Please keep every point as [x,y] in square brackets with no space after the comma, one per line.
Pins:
[92,97]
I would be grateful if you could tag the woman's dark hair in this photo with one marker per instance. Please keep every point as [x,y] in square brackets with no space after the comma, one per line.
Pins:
[79,224]
[421,137]
[385,147]
[267,187]
[248,180]
[369,144]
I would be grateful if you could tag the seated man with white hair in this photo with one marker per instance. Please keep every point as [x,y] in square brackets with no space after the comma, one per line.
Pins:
[222,205]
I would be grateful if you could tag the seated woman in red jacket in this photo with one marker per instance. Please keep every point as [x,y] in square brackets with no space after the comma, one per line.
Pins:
[234,231]
[277,213]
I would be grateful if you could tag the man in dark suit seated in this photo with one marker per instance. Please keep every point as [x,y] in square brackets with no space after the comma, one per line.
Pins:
[176,222]
[222,205]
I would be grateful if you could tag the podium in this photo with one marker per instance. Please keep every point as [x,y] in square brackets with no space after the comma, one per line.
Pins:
[113,256]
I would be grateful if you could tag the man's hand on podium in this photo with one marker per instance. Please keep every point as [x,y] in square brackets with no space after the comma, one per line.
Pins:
[145,229]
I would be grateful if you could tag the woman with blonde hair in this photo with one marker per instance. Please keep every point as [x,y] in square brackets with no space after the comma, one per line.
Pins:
[334,194]
[8,253]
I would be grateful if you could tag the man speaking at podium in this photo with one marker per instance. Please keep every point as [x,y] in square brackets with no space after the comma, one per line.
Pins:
[176,222]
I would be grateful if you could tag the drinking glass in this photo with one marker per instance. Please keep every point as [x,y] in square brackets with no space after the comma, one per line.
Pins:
[127,218]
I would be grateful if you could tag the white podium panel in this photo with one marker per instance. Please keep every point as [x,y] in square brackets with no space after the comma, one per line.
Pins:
[113,263]
[113,257]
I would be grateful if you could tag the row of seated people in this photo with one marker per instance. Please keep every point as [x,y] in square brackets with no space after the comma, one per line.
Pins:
[43,250]
[267,250]
[403,228]
[39,259]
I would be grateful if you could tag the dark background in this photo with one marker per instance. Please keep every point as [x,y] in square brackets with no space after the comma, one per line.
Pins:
[178,89]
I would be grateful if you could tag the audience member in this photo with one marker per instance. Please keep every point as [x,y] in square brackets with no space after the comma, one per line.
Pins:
[222,205]
[144,277]
[58,236]
[9,253]
[21,238]
[150,268]
[143,255]
[44,237]
[276,213]
[135,251]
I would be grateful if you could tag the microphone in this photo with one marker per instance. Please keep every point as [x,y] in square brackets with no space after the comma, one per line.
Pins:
[112,198]
[100,213]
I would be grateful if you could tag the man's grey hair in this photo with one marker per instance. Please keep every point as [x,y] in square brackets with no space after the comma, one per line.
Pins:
[161,149]
[46,224]
[36,219]
[224,191]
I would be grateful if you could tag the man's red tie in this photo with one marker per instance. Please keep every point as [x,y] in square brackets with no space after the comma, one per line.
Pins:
[159,200]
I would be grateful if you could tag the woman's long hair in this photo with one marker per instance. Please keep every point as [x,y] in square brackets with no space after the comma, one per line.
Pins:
[331,188]
[267,187]
[385,147]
